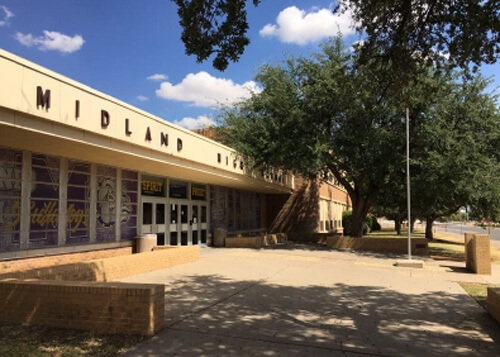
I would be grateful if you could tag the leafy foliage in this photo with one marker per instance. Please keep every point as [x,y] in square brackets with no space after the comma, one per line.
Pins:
[456,32]
[214,26]
[322,114]
[453,150]
[446,32]
[332,113]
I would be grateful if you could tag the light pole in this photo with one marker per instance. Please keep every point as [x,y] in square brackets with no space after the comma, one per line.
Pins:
[408,178]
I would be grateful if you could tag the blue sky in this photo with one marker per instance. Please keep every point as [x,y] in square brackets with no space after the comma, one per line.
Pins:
[132,50]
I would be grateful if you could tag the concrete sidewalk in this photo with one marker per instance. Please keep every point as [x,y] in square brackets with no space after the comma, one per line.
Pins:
[303,300]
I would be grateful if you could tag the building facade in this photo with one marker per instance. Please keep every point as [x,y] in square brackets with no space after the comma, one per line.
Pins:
[80,170]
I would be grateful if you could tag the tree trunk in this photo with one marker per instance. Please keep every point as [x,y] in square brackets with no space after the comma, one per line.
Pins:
[360,208]
[412,225]
[428,228]
[397,224]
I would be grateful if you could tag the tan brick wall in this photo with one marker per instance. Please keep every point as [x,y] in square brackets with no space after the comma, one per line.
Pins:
[101,307]
[11,266]
[468,250]
[256,242]
[481,257]
[244,242]
[493,303]
[309,237]
[113,268]
[386,245]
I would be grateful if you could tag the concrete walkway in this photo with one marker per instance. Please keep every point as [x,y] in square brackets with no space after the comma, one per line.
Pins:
[304,300]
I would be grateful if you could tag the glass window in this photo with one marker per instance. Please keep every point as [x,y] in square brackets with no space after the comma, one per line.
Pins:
[44,203]
[128,221]
[198,192]
[184,214]
[178,189]
[106,203]
[78,205]
[10,198]
[160,213]
[147,213]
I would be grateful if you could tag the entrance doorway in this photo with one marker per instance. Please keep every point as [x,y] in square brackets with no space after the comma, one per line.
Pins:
[154,218]
[199,223]
[188,222]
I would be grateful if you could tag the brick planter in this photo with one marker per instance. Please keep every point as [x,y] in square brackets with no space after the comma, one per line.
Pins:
[382,245]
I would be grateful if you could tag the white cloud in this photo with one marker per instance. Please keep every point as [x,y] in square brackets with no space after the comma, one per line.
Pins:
[195,123]
[203,90]
[157,77]
[52,41]
[356,45]
[8,15]
[301,27]
[142,98]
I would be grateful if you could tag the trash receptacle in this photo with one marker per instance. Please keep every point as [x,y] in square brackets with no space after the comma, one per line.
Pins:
[220,235]
[146,243]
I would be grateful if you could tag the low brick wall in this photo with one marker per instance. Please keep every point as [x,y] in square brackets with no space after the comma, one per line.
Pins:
[493,303]
[257,241]
[245,242]
[109,269]
[320,238]
[102,307]
[382,245]
[10,266]
[80,296]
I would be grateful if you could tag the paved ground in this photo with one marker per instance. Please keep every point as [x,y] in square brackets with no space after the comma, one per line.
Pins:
[303,300]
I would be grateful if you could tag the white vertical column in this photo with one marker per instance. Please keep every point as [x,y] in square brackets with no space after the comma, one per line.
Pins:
[63,202]
[25,200]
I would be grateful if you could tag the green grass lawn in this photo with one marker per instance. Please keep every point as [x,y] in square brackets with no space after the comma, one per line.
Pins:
[40,341]
[390,233]
[442,247]
[478,291]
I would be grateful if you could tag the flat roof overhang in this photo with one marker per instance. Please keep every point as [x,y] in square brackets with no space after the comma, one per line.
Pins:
[28,132]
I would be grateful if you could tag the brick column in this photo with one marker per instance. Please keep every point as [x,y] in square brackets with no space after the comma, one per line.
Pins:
[468,250]
[481,263]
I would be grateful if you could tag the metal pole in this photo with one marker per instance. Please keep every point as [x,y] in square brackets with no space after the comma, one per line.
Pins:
[408,178]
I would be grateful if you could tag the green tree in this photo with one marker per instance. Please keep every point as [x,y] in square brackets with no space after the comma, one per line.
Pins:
[322,114]
[214,27]
[467,30]
[453,148]
[455,153]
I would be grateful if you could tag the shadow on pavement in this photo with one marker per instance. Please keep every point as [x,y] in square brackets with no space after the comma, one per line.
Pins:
[214,315]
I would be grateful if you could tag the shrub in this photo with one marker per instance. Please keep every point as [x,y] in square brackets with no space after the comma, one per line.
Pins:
[347,222]
[369,225]
[375,225]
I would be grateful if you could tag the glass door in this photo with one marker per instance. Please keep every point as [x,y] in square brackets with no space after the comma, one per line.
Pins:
[154,218]
[179,223]
[198,223]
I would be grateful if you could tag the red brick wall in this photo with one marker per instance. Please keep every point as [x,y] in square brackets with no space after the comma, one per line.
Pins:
[299,213]
[333,192]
